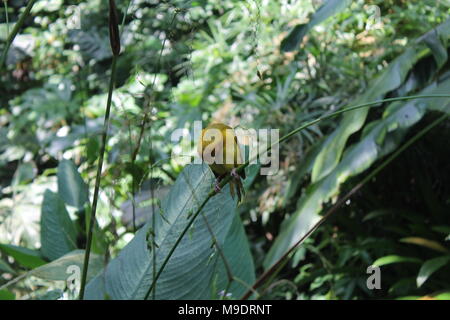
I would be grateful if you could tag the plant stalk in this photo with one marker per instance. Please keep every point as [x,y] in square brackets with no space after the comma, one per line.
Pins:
[92,220]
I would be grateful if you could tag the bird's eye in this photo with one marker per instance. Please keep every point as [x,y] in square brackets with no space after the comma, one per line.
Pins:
[213,152]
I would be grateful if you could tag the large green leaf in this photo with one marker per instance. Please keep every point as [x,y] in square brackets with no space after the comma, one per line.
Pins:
[390,79]
[71,186]
[328,9]
[58,233]
[191,273]
[437,41]
[26,257]
[237,252]
[430,267]
[381,137]
[352,121]
[58,269]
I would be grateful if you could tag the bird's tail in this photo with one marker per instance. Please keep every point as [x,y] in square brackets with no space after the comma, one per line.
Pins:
[237,184]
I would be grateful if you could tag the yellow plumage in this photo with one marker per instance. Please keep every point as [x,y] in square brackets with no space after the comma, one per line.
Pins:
[219,148]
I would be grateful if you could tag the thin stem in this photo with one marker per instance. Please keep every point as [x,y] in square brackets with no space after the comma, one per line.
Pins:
[276,266]
[284,138]
[5,2]
[106,125]
[15,280]
[122,25]
[15,31]
[152,196]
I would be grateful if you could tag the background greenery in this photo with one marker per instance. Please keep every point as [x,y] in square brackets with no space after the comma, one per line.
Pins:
[254,64]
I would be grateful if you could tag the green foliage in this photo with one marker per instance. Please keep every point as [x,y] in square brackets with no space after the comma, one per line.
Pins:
[201,276]
[394,259]
[5,267]
[6,295]
[382,138]
[252,64]
[328,9]
[58,233]
[430,267]
[26,257]
[391,78]
[58,269]
[71,186]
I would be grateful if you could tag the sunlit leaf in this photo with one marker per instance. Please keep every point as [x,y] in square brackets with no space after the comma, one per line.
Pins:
[430,267]
[394,259]
[71,187]
[431,244]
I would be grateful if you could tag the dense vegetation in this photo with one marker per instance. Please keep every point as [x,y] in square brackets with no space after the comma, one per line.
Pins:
[379,174]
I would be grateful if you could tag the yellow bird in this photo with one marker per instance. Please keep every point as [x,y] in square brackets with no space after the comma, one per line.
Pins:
[219,148]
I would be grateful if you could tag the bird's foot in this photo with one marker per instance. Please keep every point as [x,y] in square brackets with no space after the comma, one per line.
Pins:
[216,186]
[234,174]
